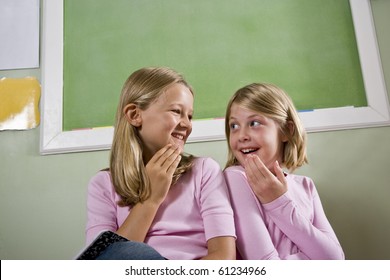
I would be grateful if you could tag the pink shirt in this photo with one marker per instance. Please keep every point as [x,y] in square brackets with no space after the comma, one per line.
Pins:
[196,209]
[293,226]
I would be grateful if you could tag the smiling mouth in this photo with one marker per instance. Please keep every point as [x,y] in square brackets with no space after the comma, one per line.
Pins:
[249,150]
[178,136]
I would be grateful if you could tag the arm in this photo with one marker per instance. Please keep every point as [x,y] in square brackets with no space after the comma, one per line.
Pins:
[315,238]
[101,199]
[101,206]
[138,222]
[253,239]
[102,211]
[216,211]
[221,248]
[160,170]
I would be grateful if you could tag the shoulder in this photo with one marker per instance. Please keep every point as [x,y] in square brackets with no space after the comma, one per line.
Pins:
[101,183]
[101,174]
[101,177]
[205,161]
[206,173]
[300,179]
[235,169]
[236,176]
[235,172]
[204,164]
[301,183]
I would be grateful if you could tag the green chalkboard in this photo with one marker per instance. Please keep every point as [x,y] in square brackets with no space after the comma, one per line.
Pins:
[307,47]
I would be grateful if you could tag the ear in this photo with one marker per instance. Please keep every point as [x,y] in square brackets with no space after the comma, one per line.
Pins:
[133,114]
[289,129]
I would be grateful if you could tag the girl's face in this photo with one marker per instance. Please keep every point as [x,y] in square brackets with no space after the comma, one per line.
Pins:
[167,120]
[253,133]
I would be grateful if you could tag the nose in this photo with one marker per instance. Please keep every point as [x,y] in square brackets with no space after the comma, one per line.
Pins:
[243,135]
[185,122]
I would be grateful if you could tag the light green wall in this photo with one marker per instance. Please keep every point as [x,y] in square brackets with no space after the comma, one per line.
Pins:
[42,198]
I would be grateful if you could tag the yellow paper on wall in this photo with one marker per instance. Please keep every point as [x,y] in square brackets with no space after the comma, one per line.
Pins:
[19,103]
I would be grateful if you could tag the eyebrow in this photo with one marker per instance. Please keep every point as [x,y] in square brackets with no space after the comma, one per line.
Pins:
[181,105]
[249,117]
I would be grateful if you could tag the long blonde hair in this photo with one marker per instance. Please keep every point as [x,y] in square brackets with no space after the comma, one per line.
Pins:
[127,167]
[274,103]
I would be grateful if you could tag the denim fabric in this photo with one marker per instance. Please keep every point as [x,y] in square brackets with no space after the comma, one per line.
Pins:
[130,250]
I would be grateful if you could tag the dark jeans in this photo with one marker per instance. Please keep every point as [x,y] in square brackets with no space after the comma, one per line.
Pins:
[129,250]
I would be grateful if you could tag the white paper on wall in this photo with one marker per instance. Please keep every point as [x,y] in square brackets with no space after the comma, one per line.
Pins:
[19,34]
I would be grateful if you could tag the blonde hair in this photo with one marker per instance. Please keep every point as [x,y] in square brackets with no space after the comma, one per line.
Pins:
[272,102]
[127,167]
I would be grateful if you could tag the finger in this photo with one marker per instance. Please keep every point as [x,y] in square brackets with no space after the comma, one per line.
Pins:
[258,167]
[262,168]
[170,150]
[279,173]
[252,170]
[157,156]
[172,167]
[171,157]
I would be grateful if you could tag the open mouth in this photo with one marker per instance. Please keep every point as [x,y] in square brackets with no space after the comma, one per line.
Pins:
[249,150]
[178,136]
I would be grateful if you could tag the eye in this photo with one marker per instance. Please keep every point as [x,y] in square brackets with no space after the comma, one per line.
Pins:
[176,111]
[254,123]
[233,126]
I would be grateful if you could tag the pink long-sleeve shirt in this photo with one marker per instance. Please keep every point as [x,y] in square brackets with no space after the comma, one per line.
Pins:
[196,209]
[293,226]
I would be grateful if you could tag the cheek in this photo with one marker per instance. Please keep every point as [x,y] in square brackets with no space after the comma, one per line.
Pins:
[233,146]
[232,140]
[190,127]
[167,124]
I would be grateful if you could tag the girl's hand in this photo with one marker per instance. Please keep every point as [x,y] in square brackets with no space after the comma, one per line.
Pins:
[160,169]
[264,183]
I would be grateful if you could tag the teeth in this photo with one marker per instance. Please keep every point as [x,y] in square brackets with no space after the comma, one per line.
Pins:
[246,151]
[178,136]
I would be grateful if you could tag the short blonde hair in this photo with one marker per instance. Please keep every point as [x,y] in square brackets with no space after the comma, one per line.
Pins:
[272,102]
[127,167]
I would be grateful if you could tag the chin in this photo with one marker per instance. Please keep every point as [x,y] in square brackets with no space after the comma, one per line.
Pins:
[181,147]
[179,143]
